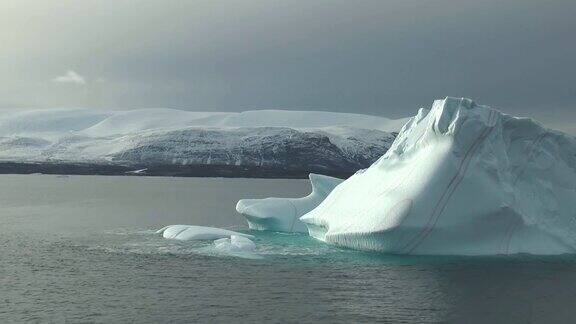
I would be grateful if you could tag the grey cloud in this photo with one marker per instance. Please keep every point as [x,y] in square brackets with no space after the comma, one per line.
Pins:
[380,57]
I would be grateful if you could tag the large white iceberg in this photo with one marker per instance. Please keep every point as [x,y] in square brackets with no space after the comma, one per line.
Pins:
[460,179]
[191,232]
[282,214]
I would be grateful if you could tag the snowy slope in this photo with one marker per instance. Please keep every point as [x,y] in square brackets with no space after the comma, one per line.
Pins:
[126,122]
[98,123]
[459,179]
[272,138]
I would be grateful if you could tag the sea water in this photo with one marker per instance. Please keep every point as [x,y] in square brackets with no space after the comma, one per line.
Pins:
[83,249]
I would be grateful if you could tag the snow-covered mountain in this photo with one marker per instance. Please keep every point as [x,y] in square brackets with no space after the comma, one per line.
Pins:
[333,143]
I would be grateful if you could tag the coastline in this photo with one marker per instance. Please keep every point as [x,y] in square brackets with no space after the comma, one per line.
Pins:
[225,171]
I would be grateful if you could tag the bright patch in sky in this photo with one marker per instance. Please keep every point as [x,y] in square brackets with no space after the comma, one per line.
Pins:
[70,77]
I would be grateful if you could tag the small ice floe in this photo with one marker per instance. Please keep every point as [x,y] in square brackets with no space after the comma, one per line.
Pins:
[138,172]
[234,244]
[191,232]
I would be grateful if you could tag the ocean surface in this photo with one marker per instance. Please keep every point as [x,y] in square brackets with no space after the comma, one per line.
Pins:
[82,249]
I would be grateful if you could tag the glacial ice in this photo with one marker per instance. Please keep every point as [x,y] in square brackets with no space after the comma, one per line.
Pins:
[191,232]
[282,214]
[234,244]
[460,179]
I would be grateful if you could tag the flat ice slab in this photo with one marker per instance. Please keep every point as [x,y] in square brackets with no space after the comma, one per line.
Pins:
[191,232]
[282,214]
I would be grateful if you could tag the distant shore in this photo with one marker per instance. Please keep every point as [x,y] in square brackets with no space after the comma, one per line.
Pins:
[225,171]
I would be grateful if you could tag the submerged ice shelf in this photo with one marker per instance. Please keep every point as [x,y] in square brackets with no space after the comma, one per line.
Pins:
[460,179]
[224,241]
[234,244]
[282,214]
[191,232]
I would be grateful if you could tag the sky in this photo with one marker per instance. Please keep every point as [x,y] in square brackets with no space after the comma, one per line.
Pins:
[379,57]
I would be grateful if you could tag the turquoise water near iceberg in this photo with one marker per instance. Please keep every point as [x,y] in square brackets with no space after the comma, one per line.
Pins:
[83,249]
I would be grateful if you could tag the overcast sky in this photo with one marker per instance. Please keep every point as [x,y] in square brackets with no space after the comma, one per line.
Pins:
[379,57]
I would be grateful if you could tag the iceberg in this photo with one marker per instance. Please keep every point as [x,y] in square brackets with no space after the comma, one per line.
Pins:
[282,214]
[460,179]
[191,232]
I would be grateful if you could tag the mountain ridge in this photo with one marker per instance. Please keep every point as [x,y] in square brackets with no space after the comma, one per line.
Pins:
[289,141]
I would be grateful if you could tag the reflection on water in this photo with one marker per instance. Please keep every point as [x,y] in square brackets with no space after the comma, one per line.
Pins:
[83,249]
